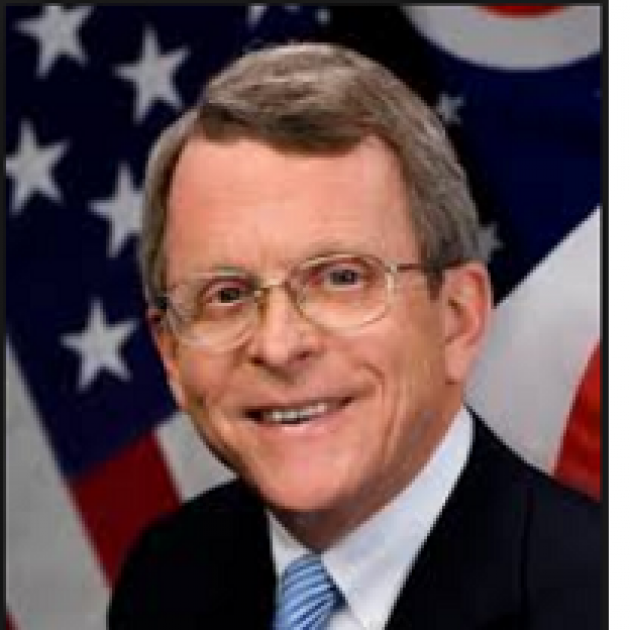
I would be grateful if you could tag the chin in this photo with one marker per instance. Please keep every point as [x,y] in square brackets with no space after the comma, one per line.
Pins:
[299,497]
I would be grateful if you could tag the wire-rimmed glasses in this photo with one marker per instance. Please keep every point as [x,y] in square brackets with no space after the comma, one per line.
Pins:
[220,310]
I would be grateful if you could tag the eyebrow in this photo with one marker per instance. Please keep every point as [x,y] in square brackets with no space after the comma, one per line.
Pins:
[217,271]
[320,250]
[226,270]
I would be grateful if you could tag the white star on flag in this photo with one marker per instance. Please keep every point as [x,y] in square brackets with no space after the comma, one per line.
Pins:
[448,107]
[122,210]
[31,166]
[99,345]
[255,13]
[323,16]
[489,242]
[56,32]
[153,75]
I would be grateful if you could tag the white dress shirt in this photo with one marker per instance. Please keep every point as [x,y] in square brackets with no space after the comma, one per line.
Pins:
[370,565]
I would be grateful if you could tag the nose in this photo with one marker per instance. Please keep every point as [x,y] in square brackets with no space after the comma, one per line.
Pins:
[283,337]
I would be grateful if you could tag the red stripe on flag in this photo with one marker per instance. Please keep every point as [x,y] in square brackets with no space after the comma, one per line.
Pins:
[9,625]
[579,463]
[523,10]
[121,496]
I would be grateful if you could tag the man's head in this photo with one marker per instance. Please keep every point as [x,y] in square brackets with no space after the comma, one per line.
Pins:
[292,155]
[320,99]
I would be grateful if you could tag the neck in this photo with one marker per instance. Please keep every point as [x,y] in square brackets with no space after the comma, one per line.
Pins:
[320,530]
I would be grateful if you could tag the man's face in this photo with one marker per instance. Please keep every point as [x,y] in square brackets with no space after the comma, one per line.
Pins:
[384,393]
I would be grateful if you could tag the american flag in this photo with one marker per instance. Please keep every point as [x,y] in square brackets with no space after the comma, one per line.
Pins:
[95,448]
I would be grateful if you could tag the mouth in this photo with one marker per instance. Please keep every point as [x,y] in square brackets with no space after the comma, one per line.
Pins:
[298,414]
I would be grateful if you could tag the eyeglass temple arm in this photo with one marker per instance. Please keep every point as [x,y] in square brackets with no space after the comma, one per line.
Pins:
[160,302]
[408,267]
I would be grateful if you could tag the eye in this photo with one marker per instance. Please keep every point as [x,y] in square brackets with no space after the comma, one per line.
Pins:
[344,276]
[218,298]
[227,294]
[341,275]
[224,292]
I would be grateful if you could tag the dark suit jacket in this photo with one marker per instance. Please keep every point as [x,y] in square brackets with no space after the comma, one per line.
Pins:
[511,549]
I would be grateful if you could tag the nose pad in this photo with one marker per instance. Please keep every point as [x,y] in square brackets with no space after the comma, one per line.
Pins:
[282,335]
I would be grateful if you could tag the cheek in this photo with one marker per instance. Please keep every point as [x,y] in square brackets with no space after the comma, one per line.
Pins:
[203,381]
[414,369]
[206,385]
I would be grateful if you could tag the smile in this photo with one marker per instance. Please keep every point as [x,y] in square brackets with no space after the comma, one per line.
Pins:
[296,414]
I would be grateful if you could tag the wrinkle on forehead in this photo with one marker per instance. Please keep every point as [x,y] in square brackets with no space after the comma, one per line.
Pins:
[244,203]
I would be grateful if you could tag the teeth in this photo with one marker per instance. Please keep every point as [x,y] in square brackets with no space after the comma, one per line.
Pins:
[296,415]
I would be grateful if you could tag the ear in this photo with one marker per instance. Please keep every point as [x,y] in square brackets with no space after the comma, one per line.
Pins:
[466,296]
[167,347]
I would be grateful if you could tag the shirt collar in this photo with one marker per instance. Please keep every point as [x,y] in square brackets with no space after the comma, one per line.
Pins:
[371,563]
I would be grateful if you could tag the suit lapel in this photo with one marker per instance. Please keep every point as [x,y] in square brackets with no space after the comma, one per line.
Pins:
[467,574]
[466,577]
[243,583]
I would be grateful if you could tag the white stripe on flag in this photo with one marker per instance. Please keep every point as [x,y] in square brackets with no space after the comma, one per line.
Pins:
[540,341]
[192,466]
[53,579]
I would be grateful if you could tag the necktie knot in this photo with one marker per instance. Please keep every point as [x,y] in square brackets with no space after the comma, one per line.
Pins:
[307,596]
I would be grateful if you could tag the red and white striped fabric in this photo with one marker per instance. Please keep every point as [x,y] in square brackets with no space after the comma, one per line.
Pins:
[538,378]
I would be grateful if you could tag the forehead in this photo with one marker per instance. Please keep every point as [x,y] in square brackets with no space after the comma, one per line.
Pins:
[246,204]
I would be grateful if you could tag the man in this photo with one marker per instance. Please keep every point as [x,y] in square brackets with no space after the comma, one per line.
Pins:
[310,257]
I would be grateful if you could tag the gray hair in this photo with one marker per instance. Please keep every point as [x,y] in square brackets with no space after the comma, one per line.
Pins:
[321,98]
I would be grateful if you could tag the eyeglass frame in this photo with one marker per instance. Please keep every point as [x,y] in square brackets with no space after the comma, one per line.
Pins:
[392,270]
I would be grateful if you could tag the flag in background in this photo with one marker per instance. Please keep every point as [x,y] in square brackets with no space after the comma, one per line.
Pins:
[95,448]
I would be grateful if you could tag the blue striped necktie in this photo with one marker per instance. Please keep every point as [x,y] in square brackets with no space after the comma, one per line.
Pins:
[307,596]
